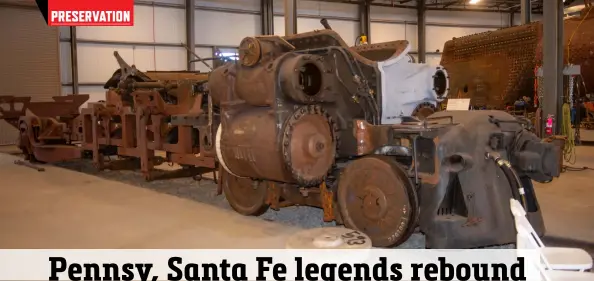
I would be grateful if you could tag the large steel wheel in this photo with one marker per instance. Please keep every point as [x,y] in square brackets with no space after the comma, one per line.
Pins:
[376,196]
[245,196]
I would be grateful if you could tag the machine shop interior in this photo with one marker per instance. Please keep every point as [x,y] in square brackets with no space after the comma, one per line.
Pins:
[237,123]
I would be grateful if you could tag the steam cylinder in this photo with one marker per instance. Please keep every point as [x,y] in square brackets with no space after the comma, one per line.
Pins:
[249,146]
[300,152]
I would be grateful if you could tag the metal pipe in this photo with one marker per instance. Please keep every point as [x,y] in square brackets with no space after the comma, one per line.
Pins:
[74,59]
[85,84]
[365,20]
[264,17]
[109,42]
[436,24]
[560,46]
[190,33]
[421,28]
[290,17]
[271,16]
[144,44]
[526,11]
[198,58]
[325,24]
[240,11]
[267,17]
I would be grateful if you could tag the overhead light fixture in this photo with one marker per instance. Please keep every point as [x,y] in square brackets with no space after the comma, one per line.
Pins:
[473,1]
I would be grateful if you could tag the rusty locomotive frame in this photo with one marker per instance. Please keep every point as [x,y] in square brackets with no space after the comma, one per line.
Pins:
[300,120]
[142,113]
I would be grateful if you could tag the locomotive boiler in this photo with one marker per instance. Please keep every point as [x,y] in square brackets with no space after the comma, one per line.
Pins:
[307,120]
[497,68]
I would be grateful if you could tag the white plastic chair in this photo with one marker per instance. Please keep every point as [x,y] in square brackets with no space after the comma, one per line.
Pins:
[562,275]
[553,258]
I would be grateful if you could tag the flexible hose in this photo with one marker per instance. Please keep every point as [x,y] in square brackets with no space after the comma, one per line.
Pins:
[514,181]
[566,130]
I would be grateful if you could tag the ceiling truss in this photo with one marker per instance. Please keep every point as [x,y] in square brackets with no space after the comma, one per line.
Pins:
[503,6]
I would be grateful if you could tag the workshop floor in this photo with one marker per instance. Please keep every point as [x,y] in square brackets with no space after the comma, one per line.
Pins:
[72,206]
[59,208]
[568,202]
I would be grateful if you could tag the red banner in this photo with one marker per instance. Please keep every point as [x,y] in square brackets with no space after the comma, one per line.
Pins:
[90,12]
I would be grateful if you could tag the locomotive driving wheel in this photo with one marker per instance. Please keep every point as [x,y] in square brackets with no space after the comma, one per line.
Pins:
[375,196]
[246,196]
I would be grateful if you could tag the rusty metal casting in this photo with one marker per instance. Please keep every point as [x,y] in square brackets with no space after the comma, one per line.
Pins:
[48,131]
[143,114]
[307,120]
[149,112]
[496,68]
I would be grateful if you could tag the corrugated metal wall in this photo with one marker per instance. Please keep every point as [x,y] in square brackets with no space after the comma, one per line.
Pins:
[29,59]
[154,42]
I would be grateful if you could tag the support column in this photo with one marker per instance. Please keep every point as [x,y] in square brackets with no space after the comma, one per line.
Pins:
[526,11]
[190,34]
[74,59]
[290,17]
[267,19]
[421,27]
[365,20]
[512,19]
[560,61]
[552,60]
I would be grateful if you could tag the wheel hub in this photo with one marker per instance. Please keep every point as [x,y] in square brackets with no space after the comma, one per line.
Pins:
[375,203]
[309,145]
[316,146]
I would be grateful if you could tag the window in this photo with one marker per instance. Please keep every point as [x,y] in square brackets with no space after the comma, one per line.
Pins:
[231,56]
[224,55]
[228,53]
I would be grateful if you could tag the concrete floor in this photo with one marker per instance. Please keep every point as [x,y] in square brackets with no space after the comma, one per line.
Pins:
[568,202]
[59,208]
[73,207]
